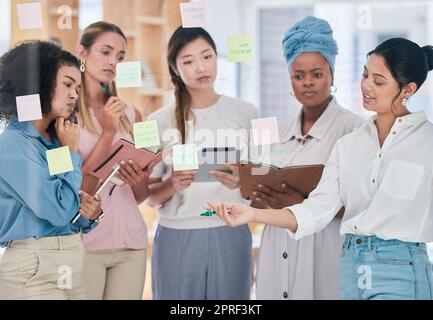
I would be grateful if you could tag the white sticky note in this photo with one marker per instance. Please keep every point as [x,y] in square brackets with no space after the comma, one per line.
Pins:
[30,15]
[59,161]
[265,131]
[29,108]
[128,74]
[193,15]
[185,157]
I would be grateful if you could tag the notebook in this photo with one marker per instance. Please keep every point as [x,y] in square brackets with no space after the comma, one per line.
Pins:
[304,179]
[123,150]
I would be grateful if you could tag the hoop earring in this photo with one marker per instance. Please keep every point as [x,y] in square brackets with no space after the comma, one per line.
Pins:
[404,101]
[334,89]
[82,66]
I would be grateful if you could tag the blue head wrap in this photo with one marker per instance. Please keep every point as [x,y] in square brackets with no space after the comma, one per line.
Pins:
[311,34]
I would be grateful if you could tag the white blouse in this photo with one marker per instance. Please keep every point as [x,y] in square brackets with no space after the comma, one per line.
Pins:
[387,192]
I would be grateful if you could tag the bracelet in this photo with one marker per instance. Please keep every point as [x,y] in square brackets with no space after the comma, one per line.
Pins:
[99,218]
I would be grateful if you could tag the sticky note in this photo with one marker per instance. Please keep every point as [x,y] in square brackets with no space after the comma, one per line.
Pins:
[185,157]
[146,134]
[240,49]
[265,131]
[29,107]
[29,15]
[128,74]
[59,161]
[193,15]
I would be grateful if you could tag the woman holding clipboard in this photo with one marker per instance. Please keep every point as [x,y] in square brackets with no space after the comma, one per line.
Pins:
[115,264]
[308,268]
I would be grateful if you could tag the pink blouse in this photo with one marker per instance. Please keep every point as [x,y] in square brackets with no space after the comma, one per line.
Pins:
[123,226]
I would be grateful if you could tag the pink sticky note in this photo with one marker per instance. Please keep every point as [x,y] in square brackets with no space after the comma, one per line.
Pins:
[193,15]
[29,108]
[30,15]
[265,131]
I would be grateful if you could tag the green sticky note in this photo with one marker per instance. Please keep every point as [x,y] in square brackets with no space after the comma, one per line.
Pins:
[185,157]
[240,49]
[128,74]
[146,134]
[59,161]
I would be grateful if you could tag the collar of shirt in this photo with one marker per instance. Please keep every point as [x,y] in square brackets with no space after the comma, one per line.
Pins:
[320,127]
[412,119]
[27,128]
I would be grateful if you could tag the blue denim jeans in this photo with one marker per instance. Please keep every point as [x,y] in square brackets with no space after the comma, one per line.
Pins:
[373,268]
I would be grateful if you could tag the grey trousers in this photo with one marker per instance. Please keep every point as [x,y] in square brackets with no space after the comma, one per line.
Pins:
[200,264]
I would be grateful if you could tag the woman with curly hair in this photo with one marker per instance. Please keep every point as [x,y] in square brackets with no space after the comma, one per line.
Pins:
[44,251]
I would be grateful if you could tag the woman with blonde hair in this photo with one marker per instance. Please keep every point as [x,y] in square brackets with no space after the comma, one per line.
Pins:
[115,263]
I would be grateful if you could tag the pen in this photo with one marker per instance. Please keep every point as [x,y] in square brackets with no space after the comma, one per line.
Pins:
[208,213]
[104,87]
[124,121]
[78,215]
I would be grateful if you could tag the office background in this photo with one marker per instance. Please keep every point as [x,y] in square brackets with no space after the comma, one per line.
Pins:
[358,27]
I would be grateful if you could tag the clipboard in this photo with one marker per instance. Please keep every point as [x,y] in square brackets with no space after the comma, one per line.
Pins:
[304,179]
[124,150]
[78,215]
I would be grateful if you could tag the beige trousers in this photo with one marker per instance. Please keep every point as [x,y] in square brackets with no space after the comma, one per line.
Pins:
[45,269]
[115,274]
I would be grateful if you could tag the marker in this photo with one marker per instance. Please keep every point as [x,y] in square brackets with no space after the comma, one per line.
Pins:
[208,213]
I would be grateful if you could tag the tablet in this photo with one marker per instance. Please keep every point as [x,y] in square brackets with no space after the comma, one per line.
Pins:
[214,159]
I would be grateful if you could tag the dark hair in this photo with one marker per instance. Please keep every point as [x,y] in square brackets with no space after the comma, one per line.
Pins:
[406,61]
[180,38]
[31,68]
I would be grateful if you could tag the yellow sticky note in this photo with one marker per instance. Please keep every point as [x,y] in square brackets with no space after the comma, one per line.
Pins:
[185,157]
[146,134]
[59,161]
[240,49]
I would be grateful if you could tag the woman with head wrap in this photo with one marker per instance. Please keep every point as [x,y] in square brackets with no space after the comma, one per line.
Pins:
[382,174]
[305,269]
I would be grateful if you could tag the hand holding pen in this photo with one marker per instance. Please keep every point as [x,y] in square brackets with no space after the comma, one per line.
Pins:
[113,116]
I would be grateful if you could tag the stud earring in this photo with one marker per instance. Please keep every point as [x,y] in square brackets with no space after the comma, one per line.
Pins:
[333,89]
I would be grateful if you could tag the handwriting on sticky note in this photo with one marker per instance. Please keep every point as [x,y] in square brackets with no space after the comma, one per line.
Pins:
[59,161]
[146,134]
[128,74]
[193,15]
[240,49]
[265,131]
[29,15]
[185,157]
[29,107]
